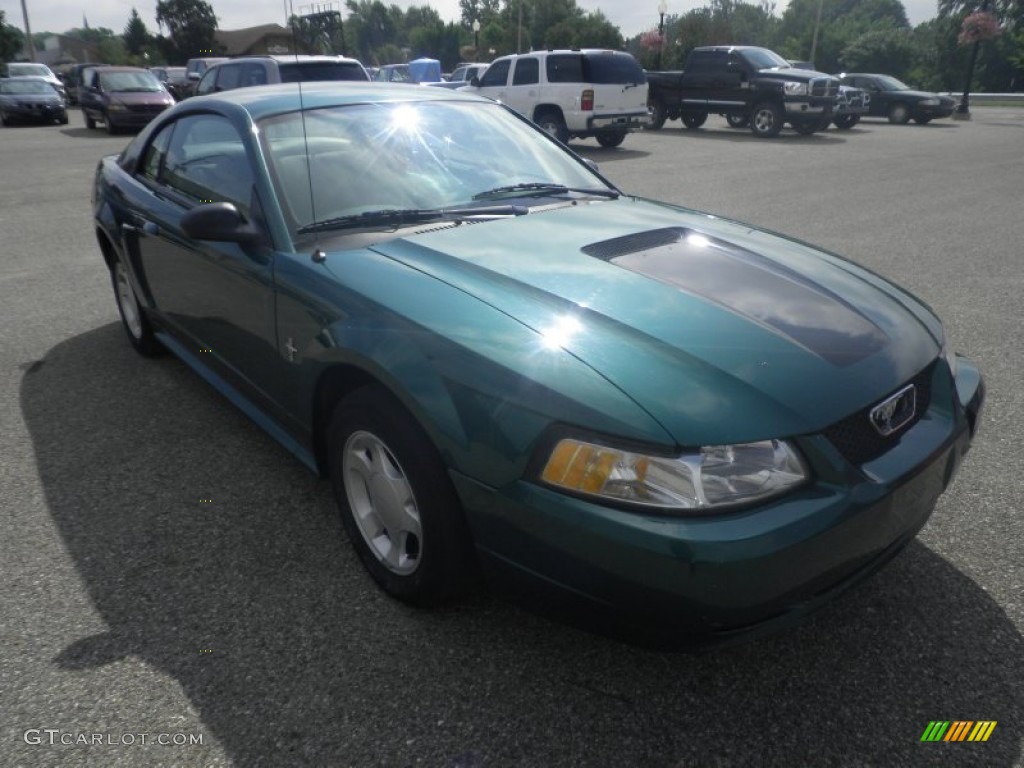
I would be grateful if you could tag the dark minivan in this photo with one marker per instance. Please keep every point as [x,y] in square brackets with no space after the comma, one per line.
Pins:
[122,97]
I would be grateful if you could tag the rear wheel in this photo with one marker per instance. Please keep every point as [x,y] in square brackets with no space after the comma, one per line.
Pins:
[89,122]
[397,504]
[657,112]
[694,119]
[552,123]
[846,122]
[899,114]
[737,121]
[140,332]
[766,120]
[610,139]
[922,120]
[4,120]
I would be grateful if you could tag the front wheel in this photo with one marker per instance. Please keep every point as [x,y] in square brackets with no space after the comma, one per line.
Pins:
[658,116]
[89,122]
[922,120]
[694,119]
[111,128]
[140,332]
[846,122]
[552,124]
[766,120]
[899,114]
[805,128]
[398,506]
[610,139]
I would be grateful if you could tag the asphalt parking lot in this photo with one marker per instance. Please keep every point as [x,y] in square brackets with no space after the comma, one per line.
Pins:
[169,573]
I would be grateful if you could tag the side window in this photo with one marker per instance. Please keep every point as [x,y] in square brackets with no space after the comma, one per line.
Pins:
[700,62]
[496,74]
[565,68]
[153,160]
[227,77]
[252,73]
[206,83]
[206,162]
[527,71]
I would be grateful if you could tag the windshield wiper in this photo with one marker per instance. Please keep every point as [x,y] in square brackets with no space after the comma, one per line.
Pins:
[541,188]
[400,217]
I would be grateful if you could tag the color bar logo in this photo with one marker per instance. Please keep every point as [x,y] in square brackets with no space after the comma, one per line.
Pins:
[958,730]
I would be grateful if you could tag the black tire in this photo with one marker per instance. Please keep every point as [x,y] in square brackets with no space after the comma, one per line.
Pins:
[133,317]
[111,128]
[89,122]
[922,120]
[846,122]
[766,120]
[386,473]
[4,120]
[899,113]
[611,139]
[805,127]
[737,121]
[64,120]
[694,119]
[552,123]
[658,116]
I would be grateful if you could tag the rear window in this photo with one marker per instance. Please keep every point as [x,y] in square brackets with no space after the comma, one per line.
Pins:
[612,68]
[301,71]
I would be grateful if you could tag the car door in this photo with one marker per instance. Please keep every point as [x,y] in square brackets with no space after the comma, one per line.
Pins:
[494,83]
[216,297]
[522,93]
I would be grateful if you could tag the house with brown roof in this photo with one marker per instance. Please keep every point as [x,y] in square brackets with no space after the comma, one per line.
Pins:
[251,41]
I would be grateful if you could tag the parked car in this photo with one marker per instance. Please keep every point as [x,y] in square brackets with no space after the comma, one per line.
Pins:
[616,399]
[851,103]
[417,71]
[267,70]
[30,100]
[898,101]
[173,78]
[34,69]
[572,93]
[122,97]
[463,75]
[72,77]
[194,70]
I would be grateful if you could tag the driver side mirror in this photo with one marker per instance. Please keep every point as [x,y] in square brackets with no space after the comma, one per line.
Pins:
[219,222]
[474,81]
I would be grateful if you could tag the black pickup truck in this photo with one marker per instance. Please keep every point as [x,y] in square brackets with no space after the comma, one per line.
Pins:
[747,84]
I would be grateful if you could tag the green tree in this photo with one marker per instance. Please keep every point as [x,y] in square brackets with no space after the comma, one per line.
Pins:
[880,50]
[12,39]
[190,26]
[136,37]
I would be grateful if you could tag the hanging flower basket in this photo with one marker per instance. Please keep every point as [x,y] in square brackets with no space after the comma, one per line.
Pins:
[979,27]
[650,40]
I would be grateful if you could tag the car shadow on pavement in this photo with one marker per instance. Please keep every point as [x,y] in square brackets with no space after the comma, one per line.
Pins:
[724,133]
[216,559]
[94,133]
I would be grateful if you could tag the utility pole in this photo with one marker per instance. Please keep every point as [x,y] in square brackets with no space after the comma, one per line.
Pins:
[28,33]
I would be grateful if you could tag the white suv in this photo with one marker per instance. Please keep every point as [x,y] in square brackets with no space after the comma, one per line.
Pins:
[572,93]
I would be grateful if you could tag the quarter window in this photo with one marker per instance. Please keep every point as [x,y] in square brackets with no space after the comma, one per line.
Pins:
[527,72]
[565,68]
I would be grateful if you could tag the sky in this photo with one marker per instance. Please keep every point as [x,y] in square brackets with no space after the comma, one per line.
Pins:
[630,16]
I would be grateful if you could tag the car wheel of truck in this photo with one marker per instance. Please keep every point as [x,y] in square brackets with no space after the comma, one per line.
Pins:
[552,124]
[695,119]
[899,114]
[846,122]
[737,121]
[805,128]
[610,139]
[766,120]
[657,112]
[922,120]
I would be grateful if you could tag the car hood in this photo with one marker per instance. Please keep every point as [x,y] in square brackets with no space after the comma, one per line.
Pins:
[132,98]
[33,98]
[723,333]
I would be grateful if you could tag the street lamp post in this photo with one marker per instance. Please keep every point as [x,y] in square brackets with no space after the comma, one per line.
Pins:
[662,10]
[476,37]
[963,109]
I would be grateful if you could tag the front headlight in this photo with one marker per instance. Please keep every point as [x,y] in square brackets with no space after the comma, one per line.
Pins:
[117,108]
[700,481]
[929,102]
[795,89]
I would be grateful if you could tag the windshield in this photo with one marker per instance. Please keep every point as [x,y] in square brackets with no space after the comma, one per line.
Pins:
[26,86]
[121,82]
[762,58]
[307,71]
[37,70]
[416,156]
[887,83]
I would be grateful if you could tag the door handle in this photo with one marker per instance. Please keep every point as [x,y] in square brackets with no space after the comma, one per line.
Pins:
[147,228]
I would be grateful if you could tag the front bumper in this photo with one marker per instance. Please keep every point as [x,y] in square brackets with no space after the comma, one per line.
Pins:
[709,578]
[36,113]
[809,107]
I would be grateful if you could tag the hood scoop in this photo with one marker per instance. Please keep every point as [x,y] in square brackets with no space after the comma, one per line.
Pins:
[748,284]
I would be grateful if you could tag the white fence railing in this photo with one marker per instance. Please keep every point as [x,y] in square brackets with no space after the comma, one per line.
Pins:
[1017,99]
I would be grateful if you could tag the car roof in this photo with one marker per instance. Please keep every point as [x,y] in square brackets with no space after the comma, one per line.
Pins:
[266,100]
[109,69]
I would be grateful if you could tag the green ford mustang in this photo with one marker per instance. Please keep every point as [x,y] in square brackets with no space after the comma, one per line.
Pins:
[504,363]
